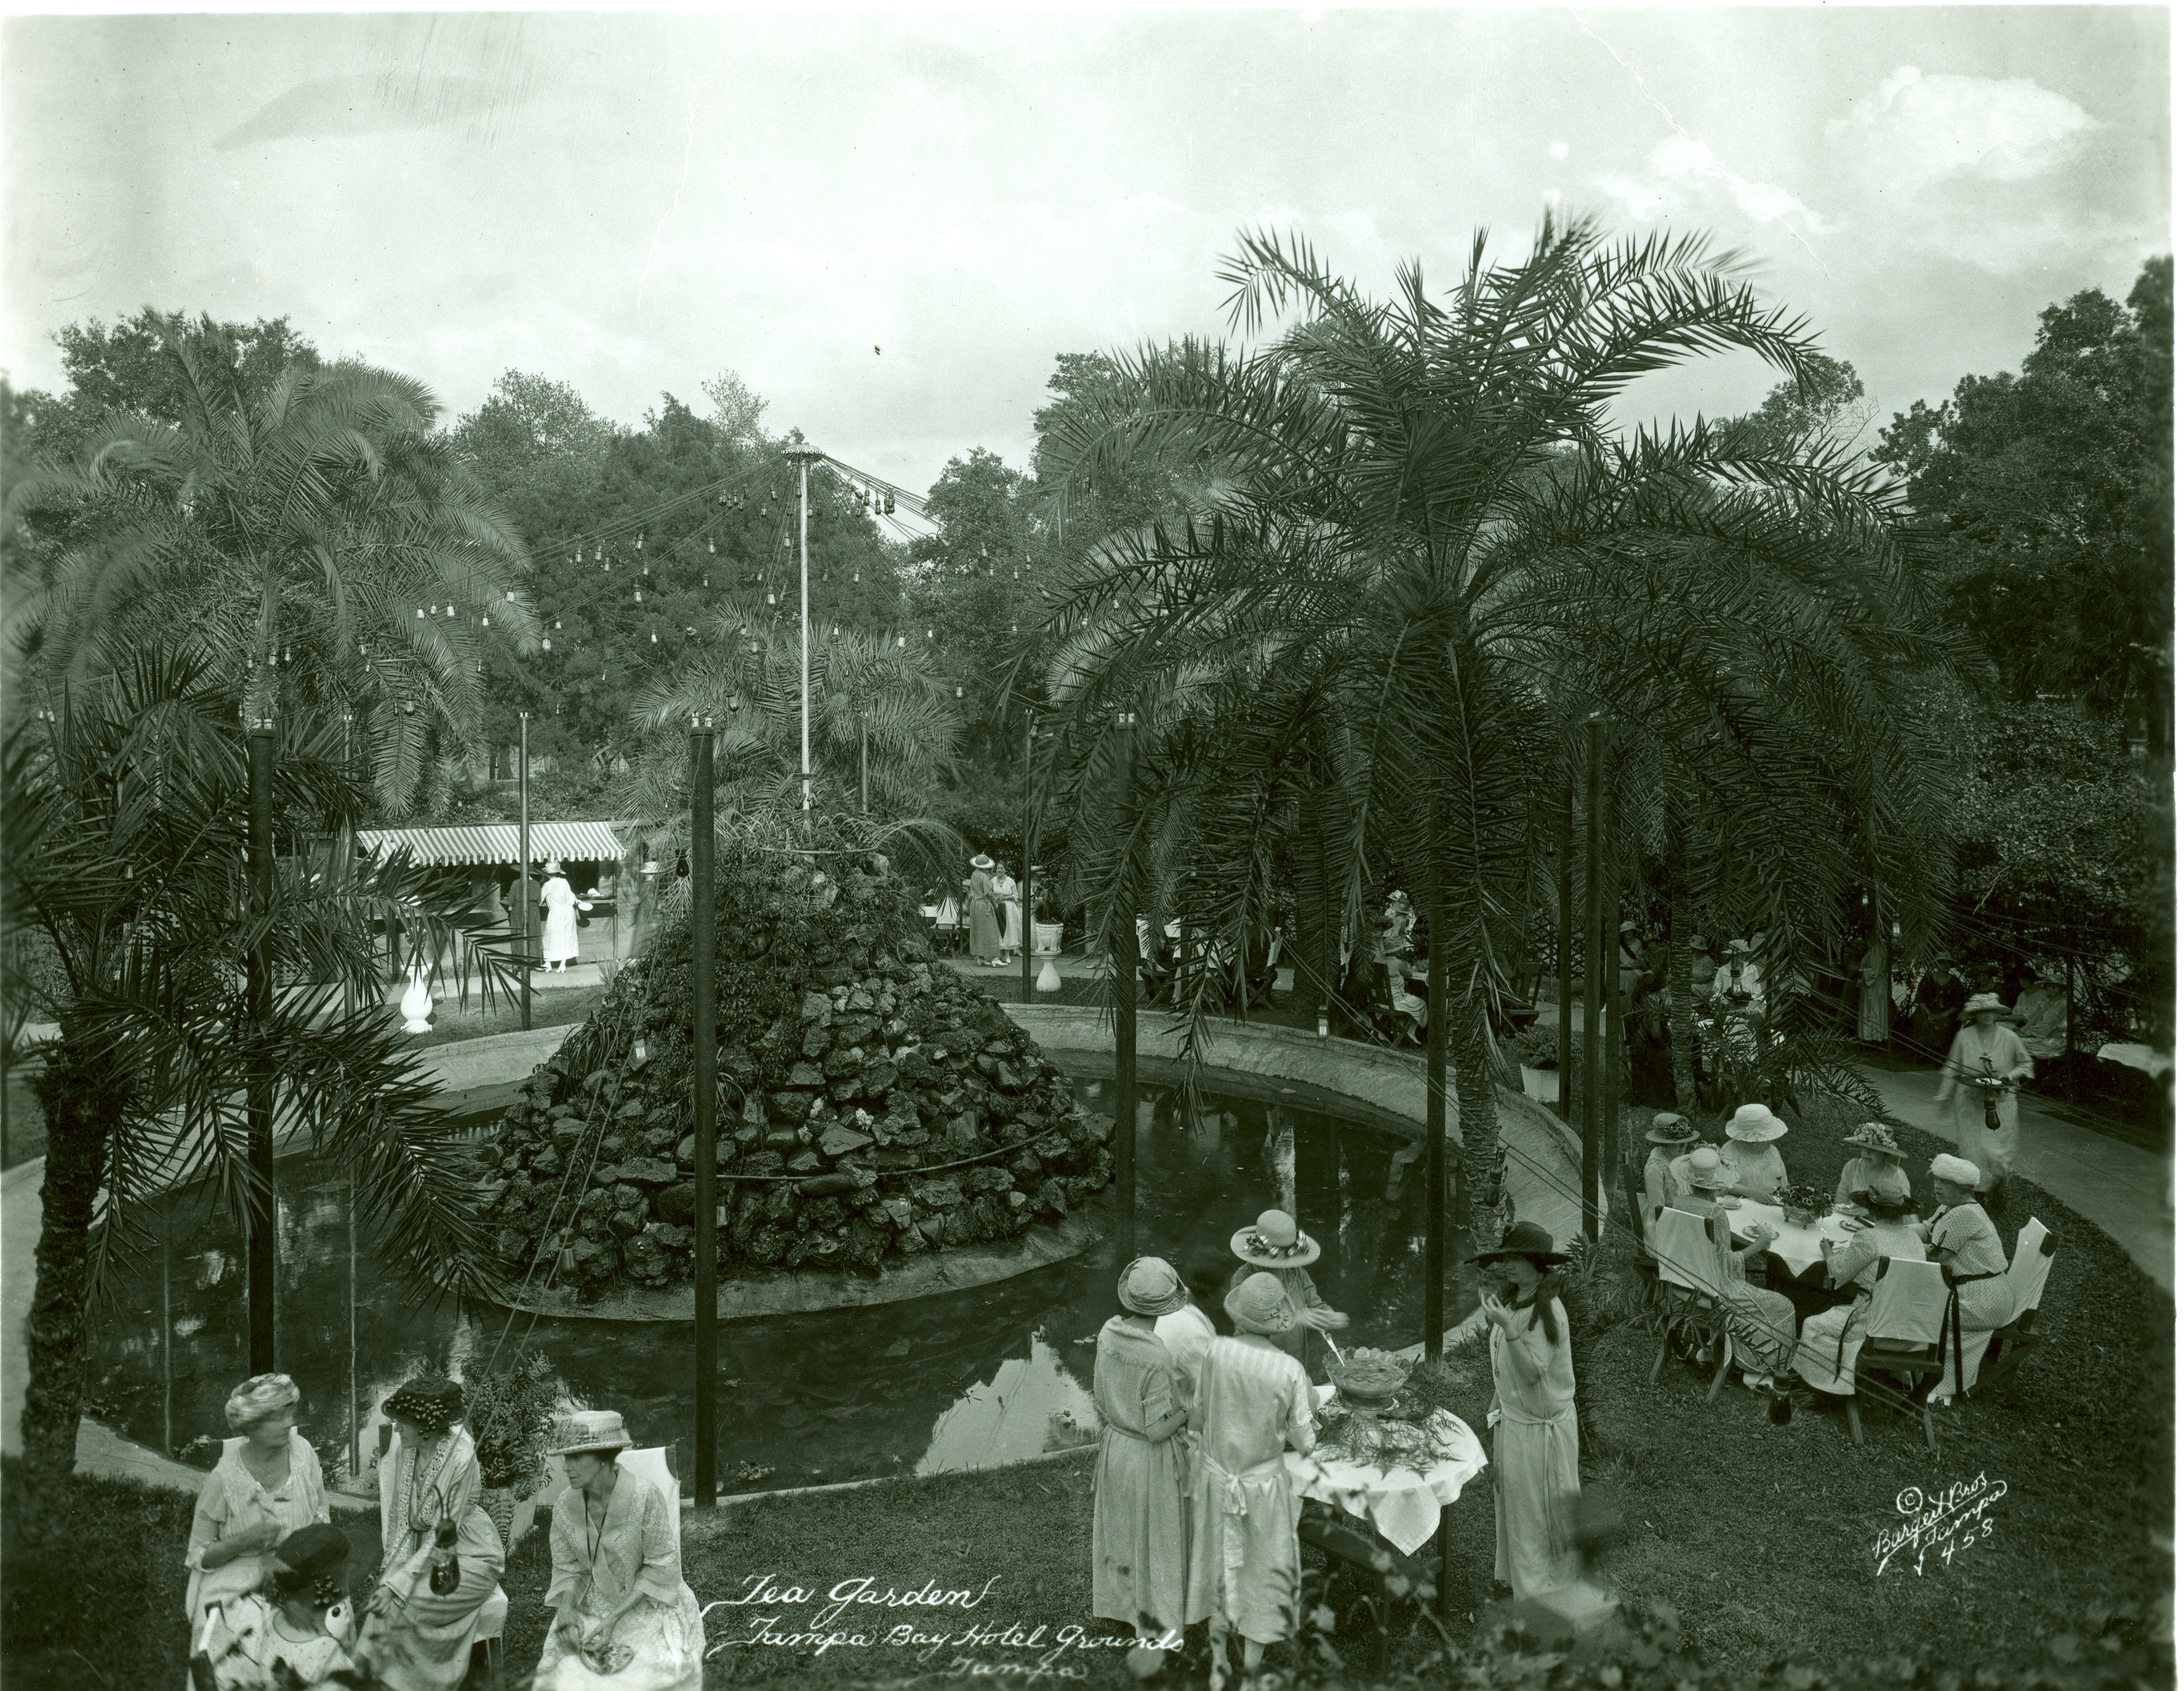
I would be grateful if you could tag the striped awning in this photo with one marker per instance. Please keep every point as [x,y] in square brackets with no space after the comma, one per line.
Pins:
[496,842]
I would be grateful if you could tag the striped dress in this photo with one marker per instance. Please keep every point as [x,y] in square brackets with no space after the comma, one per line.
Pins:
[1250,1400]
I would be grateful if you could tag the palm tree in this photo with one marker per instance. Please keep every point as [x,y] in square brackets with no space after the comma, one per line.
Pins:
[125,832]
[1418,558]
[327,547]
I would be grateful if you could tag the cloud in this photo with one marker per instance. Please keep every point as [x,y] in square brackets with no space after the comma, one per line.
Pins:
[1922,129]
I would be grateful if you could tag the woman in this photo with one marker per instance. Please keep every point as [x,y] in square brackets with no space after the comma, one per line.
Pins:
[1877,1170]
[415,1638]
[623,1618]
[1188,1328]
[294,1632]
[1532,1415]
[1139,1565]
[1739,981]
[1755,1166]
[1667,1166]
[1827,1350]
[1251,1399]
[1961,1237]
[1763,1324]
[266,1486]
[1010,899]
[558,943]
[1272,1244]
[1986,1051]
[985,932]
[2042,1016]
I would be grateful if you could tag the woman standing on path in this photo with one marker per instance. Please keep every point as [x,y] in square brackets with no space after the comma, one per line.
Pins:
[1251,1400]
[1981,1075]
[1010,897]
[558,944]
[1532,1415]
[985,932]
[267,1485]
[1139,1565]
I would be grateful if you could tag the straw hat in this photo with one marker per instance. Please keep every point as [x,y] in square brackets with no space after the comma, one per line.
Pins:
[1707,1172]
[1741,948]
[1671,1129]
[1982,1001]
[1872,1136]
[1274,1242]
[1262,1305]
[1755,1124]
[981,861]
[590,1432]
[1150,1287]
[1527,1239]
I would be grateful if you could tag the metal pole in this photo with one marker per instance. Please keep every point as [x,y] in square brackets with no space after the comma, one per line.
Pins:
[523,850]
[167,1336]
[804,601]
[1023,880]
[1589,1162]
[706,1083]
[258,1106]
[1565,961]
[347,847]
[1611,955]
[1437,1012]
[864,770]
[1124,966]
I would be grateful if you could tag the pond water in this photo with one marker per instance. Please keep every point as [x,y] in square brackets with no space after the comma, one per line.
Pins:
[966,1379]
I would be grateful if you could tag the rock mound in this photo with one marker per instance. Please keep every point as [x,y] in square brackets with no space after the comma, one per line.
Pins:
[873,1103]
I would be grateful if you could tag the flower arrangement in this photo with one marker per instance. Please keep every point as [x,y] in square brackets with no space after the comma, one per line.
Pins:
[1802,1204]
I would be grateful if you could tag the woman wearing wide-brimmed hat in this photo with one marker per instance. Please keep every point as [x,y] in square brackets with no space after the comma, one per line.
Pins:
[2042,1016]
[1667,1173]
[979,901]
[1532,1415]
[1984,1067]
[268,1483]
[1877,1170]
[1138,1564]
[1273,1245]
[557,942]
[1763,1324]
[1251,1398]
[416,1639]
[624,1618]
[1748,1151]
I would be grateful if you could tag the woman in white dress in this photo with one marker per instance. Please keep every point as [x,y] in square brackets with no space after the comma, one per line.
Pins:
[1748,1151]
[416,1638]
[267,1485]
[294,1634]
[624,1618]
[1010,897]
[1961,1236]
[1532,1416]
[1986,1051]
[558,943]
[1827,1348]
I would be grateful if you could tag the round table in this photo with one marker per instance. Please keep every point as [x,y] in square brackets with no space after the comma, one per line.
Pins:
[1401,1504]
[1796,1248]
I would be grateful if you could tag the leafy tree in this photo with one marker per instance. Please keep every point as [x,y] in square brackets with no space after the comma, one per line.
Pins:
[2049,491]
[316,542]
[974,587]
[126,828]
[1418,560]
[1830,406]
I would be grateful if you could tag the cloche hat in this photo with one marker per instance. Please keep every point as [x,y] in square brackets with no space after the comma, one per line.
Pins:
[1708,1172]
[1150,1286]
[1262,1305]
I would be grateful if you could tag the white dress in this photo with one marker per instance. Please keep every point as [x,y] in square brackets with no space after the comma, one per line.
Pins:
[411,1648]
[1006,890]
[595,1570]
[1979,1051]
[558,944]
[1250,1401]
[232,1503]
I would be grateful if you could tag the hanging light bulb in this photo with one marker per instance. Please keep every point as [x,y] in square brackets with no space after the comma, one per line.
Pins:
[899,642]
[598,552]
[557,622]
[707,582]
[838,631]
[857,574]
[511,596]
[890,504]
[640,540]
[709,545]
[547,644]
[485,622]
[565,1263]
[421,613]
[928,634]
[640,596]
[655,639]
[959,692]
[769,598]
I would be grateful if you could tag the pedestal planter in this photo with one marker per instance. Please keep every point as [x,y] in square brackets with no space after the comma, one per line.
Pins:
[1545,1085]
[417,1004]
[1046,939]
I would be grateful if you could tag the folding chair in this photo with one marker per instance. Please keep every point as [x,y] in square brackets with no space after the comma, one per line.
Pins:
[947,926]
[2008,1345]
[1902,1337]
[1686,1249]
[656,1468]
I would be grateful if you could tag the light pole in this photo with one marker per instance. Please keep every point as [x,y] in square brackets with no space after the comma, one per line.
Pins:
[1437,1014]
[523,852]
[707,1242]
[803,458]
[347,848]
[257,1084]
[1030,845]
[1123,963]
[1594,962]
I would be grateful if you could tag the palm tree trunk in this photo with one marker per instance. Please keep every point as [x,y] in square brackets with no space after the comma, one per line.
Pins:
[81,1102]
[1679,983]
[1478,1123]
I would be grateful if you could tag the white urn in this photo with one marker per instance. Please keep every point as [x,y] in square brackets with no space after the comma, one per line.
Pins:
[417,1004]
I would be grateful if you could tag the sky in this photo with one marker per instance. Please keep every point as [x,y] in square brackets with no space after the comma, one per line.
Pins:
[889,223]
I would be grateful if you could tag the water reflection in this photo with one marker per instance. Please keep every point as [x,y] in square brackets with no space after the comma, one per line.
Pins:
[964,1380]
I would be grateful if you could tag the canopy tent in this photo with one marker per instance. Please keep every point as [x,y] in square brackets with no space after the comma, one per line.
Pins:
[496,842]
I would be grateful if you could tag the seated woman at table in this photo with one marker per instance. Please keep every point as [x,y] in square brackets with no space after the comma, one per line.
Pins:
[1961,1238]
[1877,1168]
[1667,1166]
[1755,1166]
[1762,1323]
[1532,1416]
[1137,1566]
[268,1483]
[1827,1350]
[1251,1398]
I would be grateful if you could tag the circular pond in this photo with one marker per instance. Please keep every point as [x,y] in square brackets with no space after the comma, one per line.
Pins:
[965,1379]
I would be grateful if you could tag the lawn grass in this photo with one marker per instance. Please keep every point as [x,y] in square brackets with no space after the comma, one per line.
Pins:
[1762,1537]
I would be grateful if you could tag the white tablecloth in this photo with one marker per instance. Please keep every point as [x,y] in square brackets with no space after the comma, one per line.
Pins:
[1799,1247]
[1403,1506]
